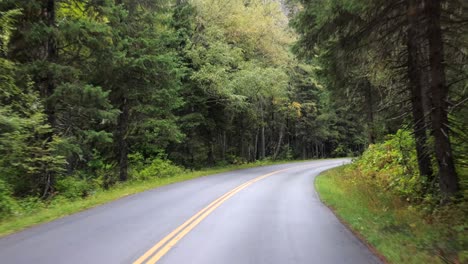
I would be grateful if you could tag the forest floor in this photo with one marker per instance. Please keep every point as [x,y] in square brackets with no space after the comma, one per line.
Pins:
[39,212]
[398,232]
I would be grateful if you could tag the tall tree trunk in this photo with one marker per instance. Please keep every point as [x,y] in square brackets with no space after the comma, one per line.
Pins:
[240,132]
[51,56]
[280,140]
[48,87]
[256,146]
[448,179]
[370,112]
[224,145]
[415,83]
[262,141]
[51,44]
[426,83]
[304,152]
[121,139]
[211,153]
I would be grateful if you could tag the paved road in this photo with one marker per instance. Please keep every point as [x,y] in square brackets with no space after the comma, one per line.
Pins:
[276,219]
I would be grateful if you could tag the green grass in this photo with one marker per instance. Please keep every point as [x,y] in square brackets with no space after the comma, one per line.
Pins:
[40,212]
[398,231]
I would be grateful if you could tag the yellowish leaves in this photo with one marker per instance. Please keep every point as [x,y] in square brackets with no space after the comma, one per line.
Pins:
[73,9]
[296,108]
[259,28]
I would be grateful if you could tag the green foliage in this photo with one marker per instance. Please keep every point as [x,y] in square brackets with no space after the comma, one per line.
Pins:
[384,198]
[29,155]
[7,27]
[74,188]
[82,113]
[7,204]
[392,166]
[387,221]
[30,205]
[372,57]
[158,168]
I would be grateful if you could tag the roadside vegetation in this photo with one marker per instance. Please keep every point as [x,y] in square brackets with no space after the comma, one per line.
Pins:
[381,197]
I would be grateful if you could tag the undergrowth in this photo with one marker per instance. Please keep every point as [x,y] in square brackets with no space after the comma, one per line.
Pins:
[381,197]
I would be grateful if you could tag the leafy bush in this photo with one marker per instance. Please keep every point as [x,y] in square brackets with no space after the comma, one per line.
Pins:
[74,188]
[158,168]
[7,204]
[392,165]
[137,161]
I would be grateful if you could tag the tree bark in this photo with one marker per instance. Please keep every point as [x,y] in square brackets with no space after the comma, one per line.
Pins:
[48,87]
[51,56]
[121,139]
[280,140]
[255,155]
[370,112]
[416,90]
[224,145]
[426,83]
[304,153]
[448,178]
[262,141]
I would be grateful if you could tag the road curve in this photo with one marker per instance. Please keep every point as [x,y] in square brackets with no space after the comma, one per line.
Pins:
[275,219]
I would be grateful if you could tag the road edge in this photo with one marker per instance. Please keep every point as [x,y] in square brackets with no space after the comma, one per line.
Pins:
[346,224]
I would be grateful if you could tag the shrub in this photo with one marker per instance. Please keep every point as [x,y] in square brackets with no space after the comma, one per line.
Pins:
[74,188]
[392,165]
[7,204]
[158,168]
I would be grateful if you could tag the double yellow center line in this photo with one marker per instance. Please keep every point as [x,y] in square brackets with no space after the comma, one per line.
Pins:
[155,253]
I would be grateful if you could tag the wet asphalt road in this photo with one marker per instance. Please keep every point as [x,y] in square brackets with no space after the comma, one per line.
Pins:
[277,220]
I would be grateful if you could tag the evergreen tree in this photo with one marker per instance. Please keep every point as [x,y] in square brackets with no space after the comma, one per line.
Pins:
[142,76]
[28,163]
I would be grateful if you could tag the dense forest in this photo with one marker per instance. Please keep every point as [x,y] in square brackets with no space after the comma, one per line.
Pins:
[101,89]
[93,92]
[405,63]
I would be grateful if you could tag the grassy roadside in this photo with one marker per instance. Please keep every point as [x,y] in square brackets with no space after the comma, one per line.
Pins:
[41,212]
[397,231]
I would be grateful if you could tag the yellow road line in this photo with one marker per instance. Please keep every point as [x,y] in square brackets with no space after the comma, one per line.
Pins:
[178,229]
[173,238]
